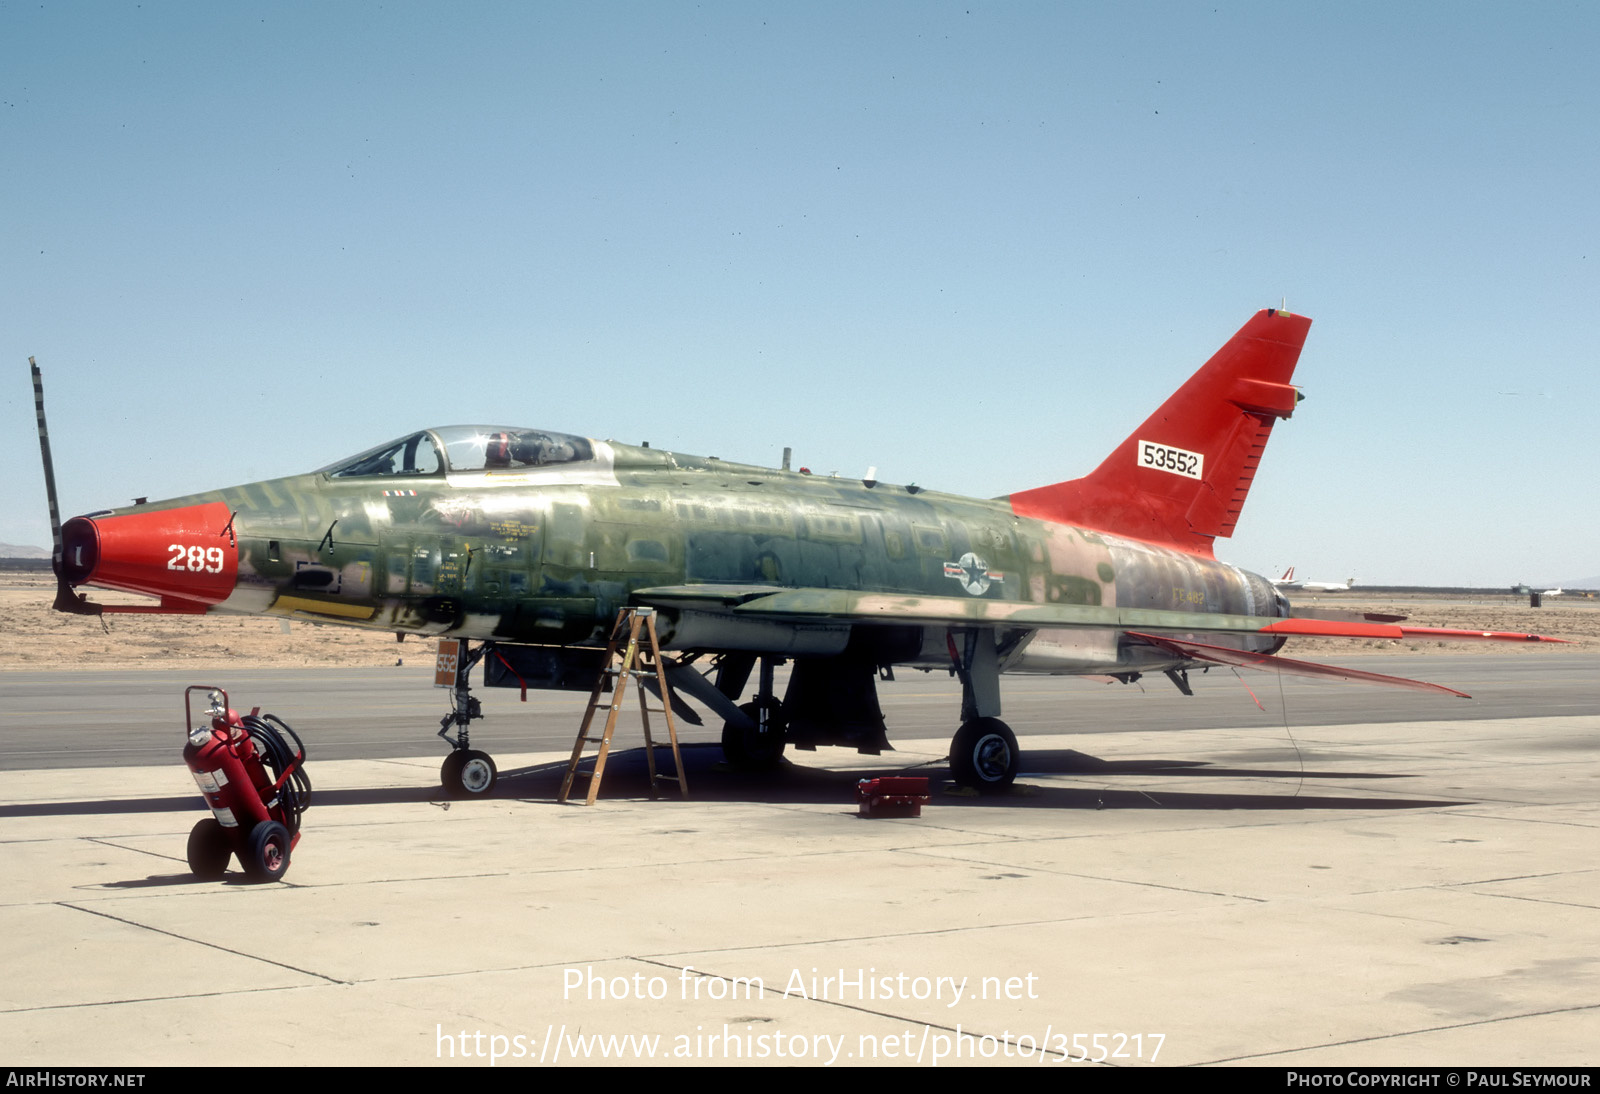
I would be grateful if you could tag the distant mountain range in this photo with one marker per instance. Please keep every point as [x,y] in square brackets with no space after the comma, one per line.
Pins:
[17,550]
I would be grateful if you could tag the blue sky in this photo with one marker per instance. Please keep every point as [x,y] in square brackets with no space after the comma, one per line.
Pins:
[970,244]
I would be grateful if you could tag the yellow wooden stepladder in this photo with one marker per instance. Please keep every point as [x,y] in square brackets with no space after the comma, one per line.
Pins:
[633,644]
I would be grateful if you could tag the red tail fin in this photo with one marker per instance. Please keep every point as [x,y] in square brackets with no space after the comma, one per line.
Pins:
[1181,478]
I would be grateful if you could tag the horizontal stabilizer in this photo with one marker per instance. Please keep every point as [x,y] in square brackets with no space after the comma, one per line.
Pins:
[1267,662]
[1334,628]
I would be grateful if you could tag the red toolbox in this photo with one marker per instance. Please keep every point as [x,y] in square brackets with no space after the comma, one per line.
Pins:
[892,796]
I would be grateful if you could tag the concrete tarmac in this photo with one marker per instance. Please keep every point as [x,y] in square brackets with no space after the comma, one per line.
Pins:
[1273,890]
[115,718]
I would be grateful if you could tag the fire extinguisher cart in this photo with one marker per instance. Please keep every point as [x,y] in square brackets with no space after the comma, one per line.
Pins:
[255,784]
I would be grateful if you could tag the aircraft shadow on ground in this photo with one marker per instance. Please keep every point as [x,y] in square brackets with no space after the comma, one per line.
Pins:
[796,784]
[711,780]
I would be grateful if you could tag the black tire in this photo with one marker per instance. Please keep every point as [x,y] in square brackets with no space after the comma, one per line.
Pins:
[209,849]
[750,749]
[268,858]
[467,773]
[450,770]
[984,755]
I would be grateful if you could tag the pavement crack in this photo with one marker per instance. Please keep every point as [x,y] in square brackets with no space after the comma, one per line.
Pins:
[156,998]
[1575,1009]
[1537,900]
[201,942]
[1098,877]
[139,850]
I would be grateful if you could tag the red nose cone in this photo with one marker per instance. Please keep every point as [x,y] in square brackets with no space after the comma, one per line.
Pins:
[187,554]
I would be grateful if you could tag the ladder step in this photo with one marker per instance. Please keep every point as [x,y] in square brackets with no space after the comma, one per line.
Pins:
[632,652]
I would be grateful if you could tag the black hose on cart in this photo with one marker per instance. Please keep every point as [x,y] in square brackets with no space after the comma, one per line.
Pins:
[268,732]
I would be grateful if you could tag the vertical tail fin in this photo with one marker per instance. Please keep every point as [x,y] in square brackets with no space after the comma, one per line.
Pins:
[1181,478]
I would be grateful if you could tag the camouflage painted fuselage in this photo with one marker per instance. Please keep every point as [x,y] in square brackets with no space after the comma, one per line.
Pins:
[547,555]
[530,542]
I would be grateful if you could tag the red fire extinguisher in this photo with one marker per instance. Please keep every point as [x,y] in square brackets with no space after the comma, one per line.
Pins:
[253,781]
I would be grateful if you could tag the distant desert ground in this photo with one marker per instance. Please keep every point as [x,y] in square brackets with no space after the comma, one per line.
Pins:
[38,638]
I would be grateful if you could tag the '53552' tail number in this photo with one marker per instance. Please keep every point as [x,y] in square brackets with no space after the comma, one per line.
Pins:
[1174,461]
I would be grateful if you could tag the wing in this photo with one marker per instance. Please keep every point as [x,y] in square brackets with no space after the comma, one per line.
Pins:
[851,606]
[1169,631]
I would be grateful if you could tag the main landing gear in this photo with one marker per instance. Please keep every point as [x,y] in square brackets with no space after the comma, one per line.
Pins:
[466,772]
[754,743]
[983,753]
[758,744]
[832,702]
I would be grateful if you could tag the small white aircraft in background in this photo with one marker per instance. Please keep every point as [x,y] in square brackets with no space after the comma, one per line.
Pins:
[1287,581]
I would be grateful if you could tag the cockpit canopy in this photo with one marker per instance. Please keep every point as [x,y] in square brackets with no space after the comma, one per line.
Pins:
[465,448]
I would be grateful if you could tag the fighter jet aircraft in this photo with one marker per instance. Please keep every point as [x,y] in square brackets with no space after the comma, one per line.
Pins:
[527,542]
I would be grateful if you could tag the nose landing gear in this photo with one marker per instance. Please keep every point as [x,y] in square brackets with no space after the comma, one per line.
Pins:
[466,772]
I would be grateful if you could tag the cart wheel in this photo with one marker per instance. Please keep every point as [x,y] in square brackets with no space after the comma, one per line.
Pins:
[209,849]
[269,851]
